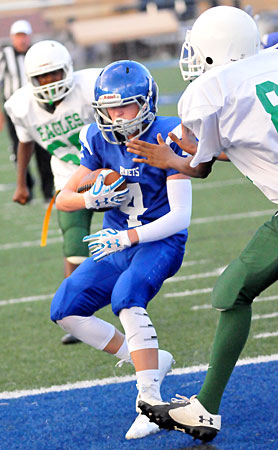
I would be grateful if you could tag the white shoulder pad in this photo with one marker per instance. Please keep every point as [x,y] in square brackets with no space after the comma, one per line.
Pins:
[18,104]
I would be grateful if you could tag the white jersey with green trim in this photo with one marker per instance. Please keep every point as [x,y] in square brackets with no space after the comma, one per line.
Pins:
[57,132]
[234,108]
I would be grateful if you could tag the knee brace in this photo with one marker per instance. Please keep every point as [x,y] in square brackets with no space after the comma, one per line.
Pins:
[139,330]
[91,330]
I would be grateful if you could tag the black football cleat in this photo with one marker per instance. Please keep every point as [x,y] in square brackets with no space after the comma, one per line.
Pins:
[187,416]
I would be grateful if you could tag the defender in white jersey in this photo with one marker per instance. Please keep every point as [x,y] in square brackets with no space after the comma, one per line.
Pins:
[144,235]
[233,107]
[51,110]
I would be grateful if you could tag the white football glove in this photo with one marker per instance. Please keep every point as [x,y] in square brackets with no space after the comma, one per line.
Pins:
[107,241]
[102,196]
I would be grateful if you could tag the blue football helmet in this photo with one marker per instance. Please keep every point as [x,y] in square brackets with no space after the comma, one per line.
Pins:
[119,84]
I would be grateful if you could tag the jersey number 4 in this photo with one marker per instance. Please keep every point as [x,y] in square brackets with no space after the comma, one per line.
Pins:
[134,207]
[267,93]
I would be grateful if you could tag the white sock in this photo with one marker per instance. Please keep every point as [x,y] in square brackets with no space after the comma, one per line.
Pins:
[148,377]
[123,352]
[148,384]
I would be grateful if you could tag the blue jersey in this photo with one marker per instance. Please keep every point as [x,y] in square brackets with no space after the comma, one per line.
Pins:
[147,185]
[134,276]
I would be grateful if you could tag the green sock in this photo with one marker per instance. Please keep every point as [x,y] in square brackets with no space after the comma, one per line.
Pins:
[231,334]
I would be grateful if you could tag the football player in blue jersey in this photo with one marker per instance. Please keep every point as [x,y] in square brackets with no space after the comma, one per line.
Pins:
[144,230]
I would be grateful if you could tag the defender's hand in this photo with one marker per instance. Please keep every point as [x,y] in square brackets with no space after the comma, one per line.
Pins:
[107,241]
[188,141]
[158,155]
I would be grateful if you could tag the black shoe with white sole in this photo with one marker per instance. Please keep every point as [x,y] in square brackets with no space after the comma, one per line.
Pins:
[187,416]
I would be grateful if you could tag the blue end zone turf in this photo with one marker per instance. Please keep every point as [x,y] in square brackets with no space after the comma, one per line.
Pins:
[97,418]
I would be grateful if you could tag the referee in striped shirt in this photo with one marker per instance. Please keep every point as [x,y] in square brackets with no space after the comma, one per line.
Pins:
[12,77]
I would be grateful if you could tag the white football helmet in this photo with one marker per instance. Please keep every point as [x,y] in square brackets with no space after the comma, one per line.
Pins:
[220,35]
[44,57]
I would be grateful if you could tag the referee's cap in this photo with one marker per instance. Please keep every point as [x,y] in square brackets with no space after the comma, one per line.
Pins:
[21,26]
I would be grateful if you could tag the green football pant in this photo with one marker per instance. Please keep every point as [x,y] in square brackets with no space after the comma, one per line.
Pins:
[244,279]
[75,225]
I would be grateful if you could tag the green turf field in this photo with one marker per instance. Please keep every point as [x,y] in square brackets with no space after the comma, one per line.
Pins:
[227,209]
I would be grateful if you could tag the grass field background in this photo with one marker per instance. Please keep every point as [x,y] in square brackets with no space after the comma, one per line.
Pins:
[227,209]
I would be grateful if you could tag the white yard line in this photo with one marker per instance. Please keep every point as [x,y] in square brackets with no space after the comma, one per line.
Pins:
[195,276]
[37,243]
[265,316]
[265,335]
[23,244]
[215,273]
[115,380]
[6,187]
[201,220]
[188,292]
[194,263]
[237,216]
[35,298]
[198,307]
[257,300]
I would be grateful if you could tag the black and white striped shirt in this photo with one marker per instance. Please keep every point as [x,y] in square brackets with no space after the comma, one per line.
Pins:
[12,73]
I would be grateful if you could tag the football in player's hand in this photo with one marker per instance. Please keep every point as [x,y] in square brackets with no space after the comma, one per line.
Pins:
[87,182]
